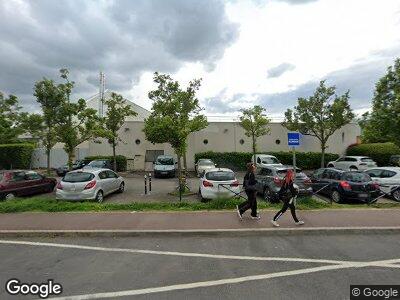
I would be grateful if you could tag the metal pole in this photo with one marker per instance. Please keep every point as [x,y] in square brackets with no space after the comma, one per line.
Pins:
[294,161]
[180,189]
[149,183]
[145,184]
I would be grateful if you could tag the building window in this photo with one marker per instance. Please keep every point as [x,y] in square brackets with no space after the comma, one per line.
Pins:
[277,142]
[137,142]
[205,142]
[241,141]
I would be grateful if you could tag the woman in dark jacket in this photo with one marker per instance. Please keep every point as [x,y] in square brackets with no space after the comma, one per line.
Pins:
[287,194]
[249,185]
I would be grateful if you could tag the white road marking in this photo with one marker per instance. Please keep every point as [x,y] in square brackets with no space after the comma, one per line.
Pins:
[337,265]
[190,254]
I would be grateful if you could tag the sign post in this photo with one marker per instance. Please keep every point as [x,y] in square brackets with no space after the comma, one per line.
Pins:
[293,142]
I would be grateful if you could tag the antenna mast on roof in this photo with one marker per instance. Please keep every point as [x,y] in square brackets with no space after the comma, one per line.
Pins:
[101,94]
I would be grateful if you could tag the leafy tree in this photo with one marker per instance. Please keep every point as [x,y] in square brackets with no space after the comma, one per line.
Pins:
[175,115]
[117,111]
[383,123]
[255,124]
[320,115]
[76,123]
[10,119]
[50,96]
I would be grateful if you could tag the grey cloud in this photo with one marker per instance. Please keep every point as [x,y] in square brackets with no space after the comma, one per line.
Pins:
[280,70]
[296,2]
[121,38]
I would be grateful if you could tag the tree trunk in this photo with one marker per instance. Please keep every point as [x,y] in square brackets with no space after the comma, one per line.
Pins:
[254,149]
[185,163]
[48,150]
[71,158]
[114,158]
[323,147]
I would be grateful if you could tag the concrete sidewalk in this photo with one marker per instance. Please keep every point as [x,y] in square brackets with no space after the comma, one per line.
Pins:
[196,221]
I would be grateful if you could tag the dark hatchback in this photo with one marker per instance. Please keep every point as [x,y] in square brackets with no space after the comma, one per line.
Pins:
[343,186]
[61,171]
[16,183]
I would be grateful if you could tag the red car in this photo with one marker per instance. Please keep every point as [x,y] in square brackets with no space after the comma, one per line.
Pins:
[15,183]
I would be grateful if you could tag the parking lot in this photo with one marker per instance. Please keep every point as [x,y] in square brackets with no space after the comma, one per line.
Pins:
[301,266]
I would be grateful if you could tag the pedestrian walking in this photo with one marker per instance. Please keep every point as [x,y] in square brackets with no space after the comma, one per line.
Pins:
[287,194]
[249,185]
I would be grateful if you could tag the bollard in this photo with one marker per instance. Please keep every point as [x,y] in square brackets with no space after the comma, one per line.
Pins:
[149,183]
[145,184]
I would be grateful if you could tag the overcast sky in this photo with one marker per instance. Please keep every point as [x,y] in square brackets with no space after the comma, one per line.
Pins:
[267,52]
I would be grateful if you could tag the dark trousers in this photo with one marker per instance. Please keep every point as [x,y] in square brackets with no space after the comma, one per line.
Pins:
[250,203]
[287,204]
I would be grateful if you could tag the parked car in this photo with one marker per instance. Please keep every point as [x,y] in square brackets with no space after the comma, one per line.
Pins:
[345,185]
[352,163]
[165,165]
[388,179]
[270,179]
[89,184]
[61,171]
[16,183]
[202,165]
[218,183]
[394,160]
[265,160]
[99,164]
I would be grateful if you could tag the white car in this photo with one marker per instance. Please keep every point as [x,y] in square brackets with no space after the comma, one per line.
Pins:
[388,179]
[352,163]
[218,183]
[204,164]
[89,184]
[265,160]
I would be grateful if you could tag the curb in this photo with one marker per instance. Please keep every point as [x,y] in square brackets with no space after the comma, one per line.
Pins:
[202,232]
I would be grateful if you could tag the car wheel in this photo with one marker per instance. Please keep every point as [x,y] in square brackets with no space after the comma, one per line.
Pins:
[9,196]
[50,188]
[267,195]
[121,187]
[99,197]
[396,195]
[336,197]
[353,168]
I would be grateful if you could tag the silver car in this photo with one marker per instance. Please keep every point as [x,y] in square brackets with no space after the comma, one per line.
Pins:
[90,184]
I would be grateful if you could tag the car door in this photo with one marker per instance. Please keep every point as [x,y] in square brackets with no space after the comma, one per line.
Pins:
[260,177]
[104,182]
[17,184]
[388,180]
[339,164]
[317,180]
[34,183]
[113,180]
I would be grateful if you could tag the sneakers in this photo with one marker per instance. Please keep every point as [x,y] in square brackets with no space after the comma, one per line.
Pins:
[256,217]
[300,223]
[238,213]
[275,223]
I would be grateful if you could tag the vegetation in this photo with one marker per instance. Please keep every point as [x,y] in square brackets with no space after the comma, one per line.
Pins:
[237,160]
[117,111]
[10,119]
[379,152]
[175,115]
[16,156]
[383,123]
[320,115]
[255,123]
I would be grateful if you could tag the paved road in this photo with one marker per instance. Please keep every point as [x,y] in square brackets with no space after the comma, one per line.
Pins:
[202,267]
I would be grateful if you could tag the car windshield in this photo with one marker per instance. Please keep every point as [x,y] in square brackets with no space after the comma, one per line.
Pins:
[206,163]
[97,164]
[220,176]
[356,177]
[165,161]
[270,160]
[367,159]
[78,177]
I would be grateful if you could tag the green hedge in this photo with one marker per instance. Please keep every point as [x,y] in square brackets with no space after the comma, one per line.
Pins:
[121,160]
[379,152]
[16,156]
[237,160]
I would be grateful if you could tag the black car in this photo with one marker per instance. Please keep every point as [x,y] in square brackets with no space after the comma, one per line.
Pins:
[100,163]
[61,171]
[270,179]
[342,185]
[394,160]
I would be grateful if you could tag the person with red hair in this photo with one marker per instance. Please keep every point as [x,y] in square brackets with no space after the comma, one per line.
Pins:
[287,194]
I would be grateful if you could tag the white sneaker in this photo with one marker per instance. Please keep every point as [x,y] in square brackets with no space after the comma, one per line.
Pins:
[256,217]
[238,213]
[300,223]
[275,223]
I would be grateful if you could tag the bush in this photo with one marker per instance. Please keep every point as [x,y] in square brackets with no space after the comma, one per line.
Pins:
[16,156]
[120,159]
[237,160]
[379,152]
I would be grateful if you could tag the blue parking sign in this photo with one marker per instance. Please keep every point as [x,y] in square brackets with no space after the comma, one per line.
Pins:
[293,139]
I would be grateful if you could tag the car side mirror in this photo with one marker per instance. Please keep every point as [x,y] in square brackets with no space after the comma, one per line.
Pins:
[176,162]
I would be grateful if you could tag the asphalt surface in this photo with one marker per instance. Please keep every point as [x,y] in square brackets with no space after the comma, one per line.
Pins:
[110,265]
